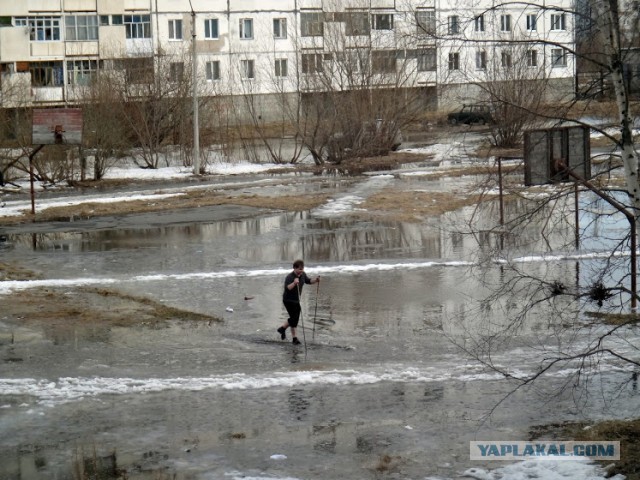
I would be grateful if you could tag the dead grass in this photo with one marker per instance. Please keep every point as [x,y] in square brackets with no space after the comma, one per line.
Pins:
[615,318]
[188,200]
[358,166]
[403,206]
[205,197]
[414,206]
[488,150]
[627,432]
[388,463]
[9,271]
[476,170]
[87,305]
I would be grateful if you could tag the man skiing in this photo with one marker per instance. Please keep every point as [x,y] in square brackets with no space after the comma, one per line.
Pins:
[293,284]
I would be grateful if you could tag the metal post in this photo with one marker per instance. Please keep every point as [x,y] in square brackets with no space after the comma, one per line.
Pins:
[577,215]
[500,190]
[634,262]
[194,80]
[501,199]
[33,195]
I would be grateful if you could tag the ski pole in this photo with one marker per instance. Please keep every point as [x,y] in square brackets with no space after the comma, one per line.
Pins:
[315,313]
[304,337]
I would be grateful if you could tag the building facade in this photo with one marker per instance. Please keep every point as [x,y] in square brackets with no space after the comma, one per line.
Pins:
[51,49]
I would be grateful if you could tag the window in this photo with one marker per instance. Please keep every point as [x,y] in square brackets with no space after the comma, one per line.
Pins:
[212,70]
[357,23]
[211,28]
[558,21]
[6,69]
[358,60]
[138,71]
[46,74]
[311,24]
[479,23]
[383,61]
[532,58]
[175,29]
[82,27]
[176,71]
[427,60]
[532,22]
[311,62]
[453,25]
[117,20]
[81,72]
[454,61]
[558,58]
[505,23]
[137,26]
[281,67]
[481,60]
[279,28]
[505,59]
[426,22]
[247,70]
[104,20]
[383,21]
[41,29]
[246,28]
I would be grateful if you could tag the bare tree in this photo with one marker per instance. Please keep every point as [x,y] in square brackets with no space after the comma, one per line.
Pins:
[260,139]
[15,125]
[514,83]
[155,102]
[571,309]
[105,132]
[53,164]
[15,128]
[497,56]
[357,86]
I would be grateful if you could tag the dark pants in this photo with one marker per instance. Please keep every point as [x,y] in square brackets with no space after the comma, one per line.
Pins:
[293,309]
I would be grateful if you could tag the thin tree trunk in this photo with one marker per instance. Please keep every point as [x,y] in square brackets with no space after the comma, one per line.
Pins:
[609,22]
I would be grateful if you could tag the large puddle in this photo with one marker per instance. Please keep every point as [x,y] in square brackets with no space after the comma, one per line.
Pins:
[377,387]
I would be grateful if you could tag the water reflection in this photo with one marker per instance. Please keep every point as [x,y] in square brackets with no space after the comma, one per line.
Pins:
[284,236]
[71,335]
[248,242]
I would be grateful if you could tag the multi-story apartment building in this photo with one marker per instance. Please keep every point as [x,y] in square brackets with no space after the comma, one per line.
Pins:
[50,49]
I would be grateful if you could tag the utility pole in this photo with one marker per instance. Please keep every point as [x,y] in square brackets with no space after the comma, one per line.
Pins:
[194,77]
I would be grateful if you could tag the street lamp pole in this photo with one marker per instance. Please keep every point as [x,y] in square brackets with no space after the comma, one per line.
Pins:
[194,73]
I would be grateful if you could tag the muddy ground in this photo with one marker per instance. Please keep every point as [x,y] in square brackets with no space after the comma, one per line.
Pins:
[400,205]
[86,305]
[627,433]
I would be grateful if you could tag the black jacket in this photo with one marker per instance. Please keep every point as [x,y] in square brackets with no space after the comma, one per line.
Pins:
[293,294]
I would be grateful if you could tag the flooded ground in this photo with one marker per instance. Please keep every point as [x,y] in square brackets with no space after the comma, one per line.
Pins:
[379,388]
